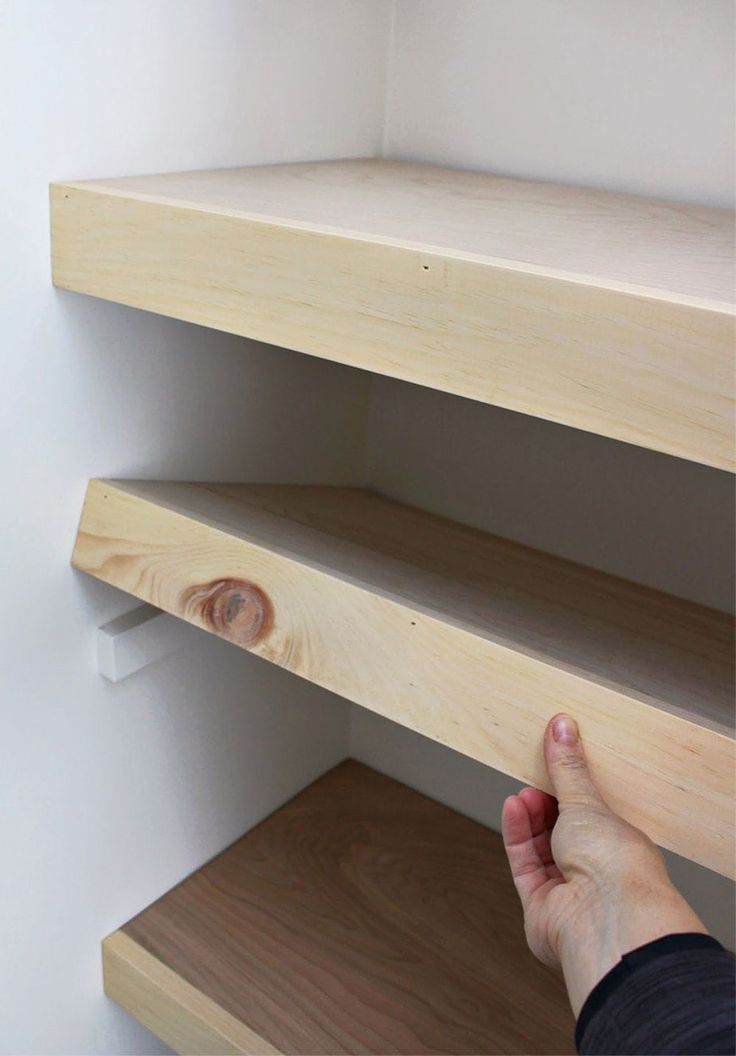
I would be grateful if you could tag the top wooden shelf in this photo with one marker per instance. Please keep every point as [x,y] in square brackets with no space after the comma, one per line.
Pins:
[609,313]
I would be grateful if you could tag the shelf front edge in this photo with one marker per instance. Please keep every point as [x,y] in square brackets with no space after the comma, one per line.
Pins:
[649,370]
[670,776]
[183,1017]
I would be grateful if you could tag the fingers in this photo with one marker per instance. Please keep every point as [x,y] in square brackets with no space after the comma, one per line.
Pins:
[526,837]
[542,809]
[526,866]
[566,765]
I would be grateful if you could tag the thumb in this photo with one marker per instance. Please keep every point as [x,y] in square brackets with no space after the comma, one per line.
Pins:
[566,765]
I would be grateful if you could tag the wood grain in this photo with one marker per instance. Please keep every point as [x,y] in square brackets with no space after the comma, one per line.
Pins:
[362,917]
[472,640]
[609,313]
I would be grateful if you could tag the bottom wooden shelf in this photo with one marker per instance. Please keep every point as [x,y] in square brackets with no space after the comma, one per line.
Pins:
[362,917]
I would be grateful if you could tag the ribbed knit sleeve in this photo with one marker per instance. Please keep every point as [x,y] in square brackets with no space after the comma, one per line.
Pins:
[673,996]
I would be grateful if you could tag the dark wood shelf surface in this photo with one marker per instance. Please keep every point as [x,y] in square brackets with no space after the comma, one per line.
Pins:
[361,917]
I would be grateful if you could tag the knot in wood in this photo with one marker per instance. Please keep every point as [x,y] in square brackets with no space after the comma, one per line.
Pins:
[234,609]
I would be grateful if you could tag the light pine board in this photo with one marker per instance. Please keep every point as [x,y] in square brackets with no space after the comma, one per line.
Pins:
[609,313]
[182,1016]
[472,640]
[362,917]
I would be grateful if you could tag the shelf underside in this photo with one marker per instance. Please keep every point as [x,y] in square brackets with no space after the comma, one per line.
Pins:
[361,917]
[472,640]
[609,313]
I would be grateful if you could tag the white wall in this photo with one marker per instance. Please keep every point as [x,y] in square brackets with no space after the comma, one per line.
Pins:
[635,513]
[632,95]
[110,794]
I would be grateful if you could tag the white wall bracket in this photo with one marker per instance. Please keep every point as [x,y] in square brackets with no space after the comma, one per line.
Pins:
[139,638]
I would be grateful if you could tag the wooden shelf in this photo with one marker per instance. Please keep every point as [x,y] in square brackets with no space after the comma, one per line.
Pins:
[472,640]
[362,917]
[609,313]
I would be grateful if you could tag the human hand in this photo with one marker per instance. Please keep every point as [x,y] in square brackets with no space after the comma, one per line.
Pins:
[592,886]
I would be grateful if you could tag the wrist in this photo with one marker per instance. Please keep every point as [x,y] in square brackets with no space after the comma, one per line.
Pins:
[611,923]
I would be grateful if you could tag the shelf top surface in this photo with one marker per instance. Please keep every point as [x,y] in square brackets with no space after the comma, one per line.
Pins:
[667,250]
[363,917]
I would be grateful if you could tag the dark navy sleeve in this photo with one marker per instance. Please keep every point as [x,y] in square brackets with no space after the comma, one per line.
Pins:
[674,996]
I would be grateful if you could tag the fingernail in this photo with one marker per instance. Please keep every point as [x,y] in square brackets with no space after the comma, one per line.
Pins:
[565,730]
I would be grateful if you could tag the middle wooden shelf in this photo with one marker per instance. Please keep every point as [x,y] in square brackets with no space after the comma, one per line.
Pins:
[471,640]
